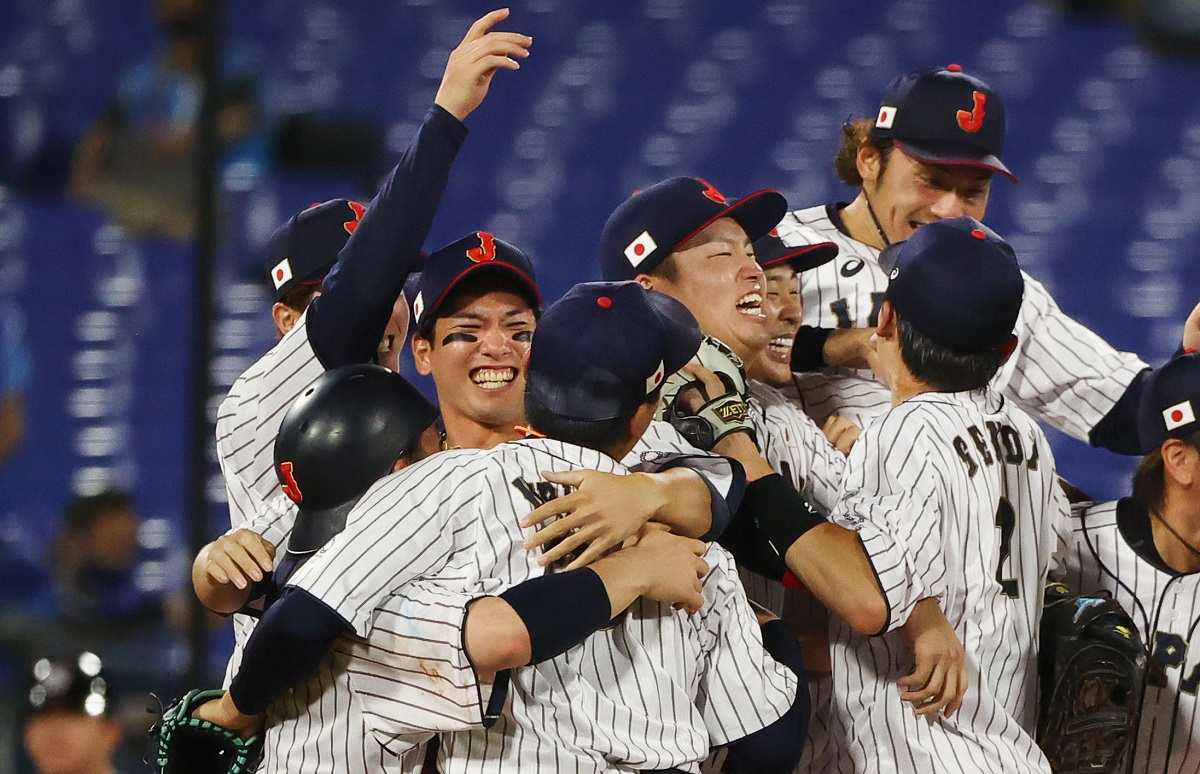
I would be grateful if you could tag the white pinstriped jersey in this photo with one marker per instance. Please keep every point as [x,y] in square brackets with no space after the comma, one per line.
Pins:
[1062,373]
[652,692]
[247,422]
[955,497]
[412,671]
[797,449]
[1109,546]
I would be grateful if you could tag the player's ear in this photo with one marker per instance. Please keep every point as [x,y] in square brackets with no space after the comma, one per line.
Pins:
[1180,462]
[645,280]
[886,329]
[421,348]
[284,316]
[868,162]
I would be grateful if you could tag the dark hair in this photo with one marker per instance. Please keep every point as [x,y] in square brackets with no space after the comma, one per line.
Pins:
[941,368]
[85,510]
[1149,480]
[667,268]
[300,295]
[591,435]
[857,134]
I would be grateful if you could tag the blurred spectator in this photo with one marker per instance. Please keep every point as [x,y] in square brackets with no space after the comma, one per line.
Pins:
[139,160]
[95,564]
[15,372]
[70,728]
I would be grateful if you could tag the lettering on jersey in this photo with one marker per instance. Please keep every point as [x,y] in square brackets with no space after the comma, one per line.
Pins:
[841,310]
[1006,522]
[537,494]
[1002,443]
[1170,652]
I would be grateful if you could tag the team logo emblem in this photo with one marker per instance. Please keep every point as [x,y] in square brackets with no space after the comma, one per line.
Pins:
[852,267]
[773,232]
[886,117]
[486,251]
[895,273]
[733,411]
[290,487]
[637,250]
[1179,415]
[973,121]
[281,273]
[358,210]
[711,193]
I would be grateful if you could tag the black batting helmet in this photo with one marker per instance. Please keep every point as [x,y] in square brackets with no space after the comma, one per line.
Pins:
[338,438]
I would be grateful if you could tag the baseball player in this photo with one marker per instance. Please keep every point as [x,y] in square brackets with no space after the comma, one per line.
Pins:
[931,152]
[648,692]
[1145,551]
[954,497]
[377,247]
[683,237]
[355,425]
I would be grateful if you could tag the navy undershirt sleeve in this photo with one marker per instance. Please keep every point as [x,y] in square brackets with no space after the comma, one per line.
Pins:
[777,747]
[347,320]
[299,625]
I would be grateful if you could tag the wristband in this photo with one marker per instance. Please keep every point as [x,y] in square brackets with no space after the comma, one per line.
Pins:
[781,513]
[560,610]
[808,348]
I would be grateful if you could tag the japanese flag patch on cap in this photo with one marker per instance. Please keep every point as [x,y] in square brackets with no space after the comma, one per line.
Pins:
[281,273]
[640,248]
[1179,415]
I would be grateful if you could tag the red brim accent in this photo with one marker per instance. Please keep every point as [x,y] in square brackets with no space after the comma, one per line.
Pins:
[521,276]
[806,257]
[990,163]
[761,210]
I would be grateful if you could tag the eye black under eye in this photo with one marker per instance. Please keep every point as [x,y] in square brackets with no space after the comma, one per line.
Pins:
[463,337]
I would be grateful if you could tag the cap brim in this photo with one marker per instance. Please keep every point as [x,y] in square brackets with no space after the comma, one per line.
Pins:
[683,345]
[757,213]
[805,257]
[959,158]
[314,527]
[523,279]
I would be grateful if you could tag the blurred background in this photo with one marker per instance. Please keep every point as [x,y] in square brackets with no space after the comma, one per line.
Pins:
[101,281]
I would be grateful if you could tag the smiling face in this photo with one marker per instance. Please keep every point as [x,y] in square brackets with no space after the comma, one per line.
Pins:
[714,275]
[477,353]
[784,311]
[908,193]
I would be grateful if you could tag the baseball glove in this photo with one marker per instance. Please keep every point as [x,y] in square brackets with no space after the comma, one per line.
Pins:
[719,415]
[183,744]
[1091,666]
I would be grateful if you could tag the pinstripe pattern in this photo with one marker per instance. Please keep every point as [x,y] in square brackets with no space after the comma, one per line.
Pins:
[925,485]
[1094,555]
[1061,373]
[247,422]
[645,693]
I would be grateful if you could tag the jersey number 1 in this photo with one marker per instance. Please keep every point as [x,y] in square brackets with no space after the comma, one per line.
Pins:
[1006,522]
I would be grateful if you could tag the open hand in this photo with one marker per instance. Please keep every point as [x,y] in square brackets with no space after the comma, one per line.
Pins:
[242,558]
[472,64]
[939,678]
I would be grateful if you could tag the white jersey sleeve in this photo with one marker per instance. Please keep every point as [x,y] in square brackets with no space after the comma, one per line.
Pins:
[892,497]
[795,447]
[1063,373]
[743,689]
[407,526]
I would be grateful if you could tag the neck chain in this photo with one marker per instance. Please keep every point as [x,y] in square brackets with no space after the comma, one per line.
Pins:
[1195,551]
[878,226]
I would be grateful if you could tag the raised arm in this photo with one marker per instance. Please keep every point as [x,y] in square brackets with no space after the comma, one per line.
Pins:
[347,320]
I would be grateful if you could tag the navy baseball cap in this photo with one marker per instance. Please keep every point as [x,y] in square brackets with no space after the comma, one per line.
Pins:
[447,267]
[601,349]
[303,249]
[74,683]
[810,252]
[957,282]
[1170,402]
[944,116]
[649,225]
